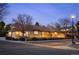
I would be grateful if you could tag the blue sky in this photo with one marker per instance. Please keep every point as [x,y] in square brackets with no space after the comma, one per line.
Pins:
[44,13]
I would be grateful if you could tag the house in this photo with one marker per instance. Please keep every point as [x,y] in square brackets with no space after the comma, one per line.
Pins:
[33,31]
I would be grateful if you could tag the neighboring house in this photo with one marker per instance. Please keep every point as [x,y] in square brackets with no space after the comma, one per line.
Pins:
[36,32]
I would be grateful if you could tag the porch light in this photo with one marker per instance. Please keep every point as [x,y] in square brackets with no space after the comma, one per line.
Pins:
[17,33]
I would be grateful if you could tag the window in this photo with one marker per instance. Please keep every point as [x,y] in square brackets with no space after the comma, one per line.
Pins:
[9,34]
[55,33]
[26,33]
[17,33]
[35,32]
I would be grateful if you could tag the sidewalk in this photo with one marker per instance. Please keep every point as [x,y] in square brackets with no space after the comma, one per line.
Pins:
[67,47]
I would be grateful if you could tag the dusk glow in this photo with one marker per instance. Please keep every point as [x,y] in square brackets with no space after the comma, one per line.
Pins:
[42,12]
[39,29]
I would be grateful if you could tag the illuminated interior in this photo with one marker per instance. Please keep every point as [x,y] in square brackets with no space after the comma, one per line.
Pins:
[16,34]
[13,35]
[61,36]
[9,34]
[58,35]
[55,33]
[26,34]
[42,34]
[35,32]
[45,34]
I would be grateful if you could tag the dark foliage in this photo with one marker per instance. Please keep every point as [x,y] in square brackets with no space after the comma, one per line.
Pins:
[37,24]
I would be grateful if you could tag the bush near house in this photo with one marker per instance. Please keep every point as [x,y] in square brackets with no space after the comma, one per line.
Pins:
[2,29]
[41,39]
[22,39]
[8,38]
[2,33]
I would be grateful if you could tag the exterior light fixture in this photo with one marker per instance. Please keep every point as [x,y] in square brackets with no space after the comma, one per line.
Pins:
[72,18]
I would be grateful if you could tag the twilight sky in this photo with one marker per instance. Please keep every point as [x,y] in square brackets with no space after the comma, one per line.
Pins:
[44,13]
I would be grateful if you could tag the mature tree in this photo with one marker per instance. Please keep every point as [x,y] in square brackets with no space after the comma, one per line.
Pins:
[7,27]
[21,21]
[2,24]
[51,26]
[37,24]
[2,32]
[57,26]
[54,26]
[64,22]
[77,25]
[3,10]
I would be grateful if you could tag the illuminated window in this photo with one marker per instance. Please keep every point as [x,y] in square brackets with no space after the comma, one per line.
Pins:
[35,32]
[42,34]
[45,34]
[67,29]
[20,33]
[9,33]
[26,33]
[55,33]
[17,33]
[13,35]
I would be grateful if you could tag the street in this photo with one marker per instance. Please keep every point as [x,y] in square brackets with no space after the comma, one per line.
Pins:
[12,48]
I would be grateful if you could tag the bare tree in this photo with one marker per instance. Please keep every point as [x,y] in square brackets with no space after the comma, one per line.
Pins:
[54,26]
[50,26]
[3,10]
[65,24]
[57,26]
[21,21]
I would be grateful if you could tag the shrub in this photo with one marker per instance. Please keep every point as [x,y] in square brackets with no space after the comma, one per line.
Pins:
[22,39]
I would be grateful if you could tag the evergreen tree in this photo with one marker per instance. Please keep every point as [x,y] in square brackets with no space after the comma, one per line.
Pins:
[37,24]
